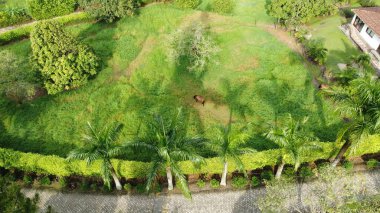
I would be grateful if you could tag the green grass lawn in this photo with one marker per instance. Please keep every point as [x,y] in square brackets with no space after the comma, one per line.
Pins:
[340,48]
[137,80]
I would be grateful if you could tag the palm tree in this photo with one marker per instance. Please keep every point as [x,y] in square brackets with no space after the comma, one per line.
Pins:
[100,145]
[227,146]
[293,141]
[360,102]
[168,144]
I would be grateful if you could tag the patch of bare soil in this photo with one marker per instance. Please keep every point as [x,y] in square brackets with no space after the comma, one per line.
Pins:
[283,36]
[136,63]
[252,63]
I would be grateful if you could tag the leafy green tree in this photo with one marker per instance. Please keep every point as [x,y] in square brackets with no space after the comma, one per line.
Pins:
[12,200]
[15,83]
[101,145]
[62,61]
[294,142]
[360,104]
[110,10]
[167,142]
[227,144]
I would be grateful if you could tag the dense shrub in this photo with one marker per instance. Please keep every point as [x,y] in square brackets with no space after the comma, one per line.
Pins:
[110,10]
[45,181]
[316,51]
[62,182]
[45,9]
[16,84]
[24,31]
[13,16]
[28,180]
[255,181]
[84,185]
[127,187]
[201,183]
[223,6]
[193,46]
[372,163]
[62,61]
[239,182]
[348,165]
[140,188]
[187,4]
[347,12]
[267,175]
[306,172]
[367,3]
[214,183]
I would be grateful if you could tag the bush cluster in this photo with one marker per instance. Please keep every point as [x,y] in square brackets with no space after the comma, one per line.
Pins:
[214,183]
[239,182]
[62,61]
[110,10]
[372,164]
[367,3]
[316,51]
[201,183]
[13,16]
[222,6]
[45,9]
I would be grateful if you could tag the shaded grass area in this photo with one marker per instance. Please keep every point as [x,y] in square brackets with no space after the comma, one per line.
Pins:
[340,48]
[136,80]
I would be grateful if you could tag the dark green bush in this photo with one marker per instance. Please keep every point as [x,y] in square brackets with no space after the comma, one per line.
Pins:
[45,181]
[306,172]
[239,182]
[267,175]
[28,180]
[214,183]
[255,181]
[140,188]
[201,183]
[222,6]
[348,165]
[45,9]
[372,164]
[13,16]
[62,61]
[84,185]
[367,3]
[110,10]
[127,187]
[187,4]
[94,187]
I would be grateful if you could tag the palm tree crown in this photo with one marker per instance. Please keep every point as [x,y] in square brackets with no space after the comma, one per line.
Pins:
[293,140]
[168,143]
[100,145]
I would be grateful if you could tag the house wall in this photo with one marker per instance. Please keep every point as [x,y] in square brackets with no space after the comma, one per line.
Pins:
[372,42]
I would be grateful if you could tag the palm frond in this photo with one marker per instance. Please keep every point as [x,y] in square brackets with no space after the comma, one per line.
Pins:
[153,174]
[180,178]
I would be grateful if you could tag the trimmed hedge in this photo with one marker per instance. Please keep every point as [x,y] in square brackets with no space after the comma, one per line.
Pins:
[58,166]
[12,16]
[45,9]
[24,31]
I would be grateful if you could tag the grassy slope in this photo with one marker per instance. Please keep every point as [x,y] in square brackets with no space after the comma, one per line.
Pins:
[137,80]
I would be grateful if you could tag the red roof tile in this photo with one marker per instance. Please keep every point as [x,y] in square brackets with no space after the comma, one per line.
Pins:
[370,16]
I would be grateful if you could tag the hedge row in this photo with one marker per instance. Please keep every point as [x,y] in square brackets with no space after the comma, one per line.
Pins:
[58,166]
[24,31]
[12,16]
[45,9]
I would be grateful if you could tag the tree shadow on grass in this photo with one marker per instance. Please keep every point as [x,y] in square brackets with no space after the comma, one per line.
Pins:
[342,56]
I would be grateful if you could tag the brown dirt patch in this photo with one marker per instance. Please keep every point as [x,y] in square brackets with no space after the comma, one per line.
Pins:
[252,63]
[136,63]
[284,37]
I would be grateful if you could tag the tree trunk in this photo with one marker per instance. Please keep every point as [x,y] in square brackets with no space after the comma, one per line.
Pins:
[170,178]
[116,179]
[279,170]
[340,154]
[223,182]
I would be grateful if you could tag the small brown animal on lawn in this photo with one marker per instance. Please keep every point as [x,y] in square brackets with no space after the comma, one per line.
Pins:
[199,99]
[323,86]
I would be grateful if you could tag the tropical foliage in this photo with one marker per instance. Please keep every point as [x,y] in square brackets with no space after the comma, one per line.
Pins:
[168,144]
[360,103]
[294,142]
[101,145]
